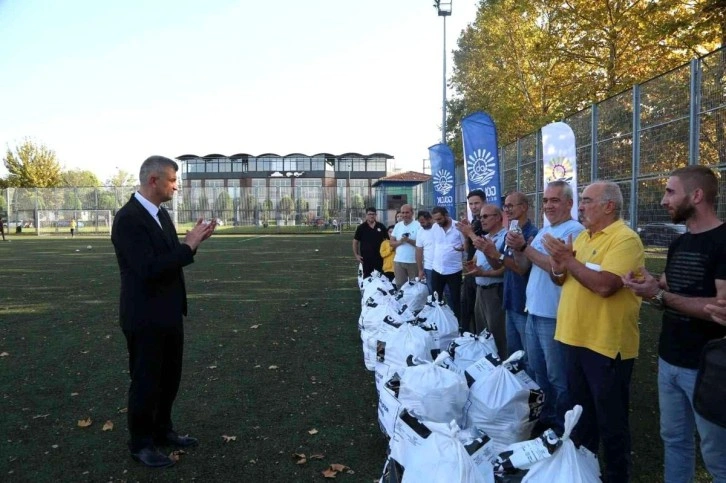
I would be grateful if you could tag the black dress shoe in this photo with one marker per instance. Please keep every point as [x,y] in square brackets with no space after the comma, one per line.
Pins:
[152,457]
[173,439]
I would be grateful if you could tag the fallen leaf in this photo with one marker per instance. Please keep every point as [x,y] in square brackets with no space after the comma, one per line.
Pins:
[313,431]
[301,461]
[123,410]
[338,468]
[227,439]
[272,367]
[256,326]
[317,456]
[85,352]
[350,472]
[41,416]
[329,473]
[4,354]
[84,423]
[107,426]
[55,446]
[74,394]
[298,455]
[212,367]
[176,454]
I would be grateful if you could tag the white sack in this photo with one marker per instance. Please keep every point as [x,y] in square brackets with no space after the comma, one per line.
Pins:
[469,348]
[394,348]
[438,318]
[433,393]
[504,404]
[568,463]
[413,294]
[442,458]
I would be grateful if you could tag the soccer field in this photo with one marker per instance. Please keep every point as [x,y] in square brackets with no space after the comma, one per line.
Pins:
[272,355]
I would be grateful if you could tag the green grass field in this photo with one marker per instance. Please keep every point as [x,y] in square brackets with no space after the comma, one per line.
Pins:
[272,352]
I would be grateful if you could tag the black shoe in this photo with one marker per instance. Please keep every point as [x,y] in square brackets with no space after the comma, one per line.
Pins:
[171,438]
[152,457]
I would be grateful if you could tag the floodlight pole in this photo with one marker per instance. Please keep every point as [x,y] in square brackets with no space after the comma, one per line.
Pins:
[443,8]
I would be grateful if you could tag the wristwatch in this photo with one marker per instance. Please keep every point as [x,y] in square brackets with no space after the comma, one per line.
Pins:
[657,300]
[501,257]
[524,247]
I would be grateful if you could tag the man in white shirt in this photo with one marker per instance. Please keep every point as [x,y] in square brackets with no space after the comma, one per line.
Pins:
[447,264]
[425,247]
[403,240]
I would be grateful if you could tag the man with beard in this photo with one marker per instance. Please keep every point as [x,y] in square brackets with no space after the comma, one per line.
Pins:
[476,199]
[367,243]
[597,323]
[447,265]
[425,248]
[688,291]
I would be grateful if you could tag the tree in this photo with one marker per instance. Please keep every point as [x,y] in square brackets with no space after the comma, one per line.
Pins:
[122,178]
[531,62]
[32,165]
[79,178]
[286,207]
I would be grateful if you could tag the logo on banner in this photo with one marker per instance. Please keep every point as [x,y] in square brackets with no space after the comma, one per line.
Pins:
[443,181]
[480,166]
[559,169]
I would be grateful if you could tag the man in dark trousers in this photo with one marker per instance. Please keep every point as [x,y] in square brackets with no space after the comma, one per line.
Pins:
[153,303]
[367,243]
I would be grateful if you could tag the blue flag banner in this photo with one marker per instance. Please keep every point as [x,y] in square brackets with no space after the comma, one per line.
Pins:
[481,156]
[442,171]
[559,159]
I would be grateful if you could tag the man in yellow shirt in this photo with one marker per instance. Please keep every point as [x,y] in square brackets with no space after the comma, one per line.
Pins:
[597,323]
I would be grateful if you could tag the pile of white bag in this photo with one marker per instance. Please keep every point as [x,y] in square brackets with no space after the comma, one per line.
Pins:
[452,410]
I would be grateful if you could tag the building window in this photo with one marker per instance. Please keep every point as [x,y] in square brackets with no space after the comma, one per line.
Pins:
[259,190]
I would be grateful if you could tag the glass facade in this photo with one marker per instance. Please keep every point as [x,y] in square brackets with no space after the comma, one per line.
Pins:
[291,163]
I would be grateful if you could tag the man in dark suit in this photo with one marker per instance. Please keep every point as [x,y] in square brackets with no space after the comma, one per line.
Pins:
[153,303]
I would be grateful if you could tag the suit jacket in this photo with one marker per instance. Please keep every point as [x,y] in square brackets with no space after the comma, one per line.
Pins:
[150,260]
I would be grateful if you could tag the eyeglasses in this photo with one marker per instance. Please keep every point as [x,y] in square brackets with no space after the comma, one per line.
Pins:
[487,215]
[509,207]
[371,214]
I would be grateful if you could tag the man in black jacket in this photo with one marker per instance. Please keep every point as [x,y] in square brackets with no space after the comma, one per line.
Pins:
[153,303]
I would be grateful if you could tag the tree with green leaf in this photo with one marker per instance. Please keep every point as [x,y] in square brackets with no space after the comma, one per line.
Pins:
[79,178]
[122,178]
[32,165]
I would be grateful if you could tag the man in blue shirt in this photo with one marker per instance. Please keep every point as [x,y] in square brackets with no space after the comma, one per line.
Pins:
[545,355]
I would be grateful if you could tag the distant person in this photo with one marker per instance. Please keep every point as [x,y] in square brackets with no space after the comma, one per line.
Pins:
[399,216]
[367,243]
[387,254]
[597,323]
[688,291]
[2,228]
[152,308]
[73,227]
[403,240]
[335,224]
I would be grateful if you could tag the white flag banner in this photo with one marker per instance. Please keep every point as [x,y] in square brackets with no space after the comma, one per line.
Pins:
[558,158]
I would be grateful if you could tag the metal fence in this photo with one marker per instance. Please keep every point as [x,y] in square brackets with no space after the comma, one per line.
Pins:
[635,139]
[50,210]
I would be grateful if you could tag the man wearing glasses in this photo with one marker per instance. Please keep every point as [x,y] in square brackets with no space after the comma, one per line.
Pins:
[516,276]
[367,243]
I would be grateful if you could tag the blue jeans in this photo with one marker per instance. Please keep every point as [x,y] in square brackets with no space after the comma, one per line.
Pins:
[516,338]
[678,422]
[546,360]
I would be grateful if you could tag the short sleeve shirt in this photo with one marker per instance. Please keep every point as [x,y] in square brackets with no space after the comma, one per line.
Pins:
[406,253]
[370,238]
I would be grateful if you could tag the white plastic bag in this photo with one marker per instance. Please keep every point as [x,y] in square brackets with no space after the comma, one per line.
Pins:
[433,393]
[568,463]
[368,324]
[394,348]
[389,405]
[442,458]
[413,294]
[438,318]
[505,404]
[469,348]
[375,281]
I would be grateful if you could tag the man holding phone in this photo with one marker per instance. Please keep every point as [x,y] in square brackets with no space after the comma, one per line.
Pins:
[403,241]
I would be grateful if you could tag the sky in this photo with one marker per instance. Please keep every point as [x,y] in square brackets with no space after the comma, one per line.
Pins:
[105,84]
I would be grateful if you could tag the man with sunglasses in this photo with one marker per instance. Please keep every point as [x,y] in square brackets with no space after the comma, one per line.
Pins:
[367,243]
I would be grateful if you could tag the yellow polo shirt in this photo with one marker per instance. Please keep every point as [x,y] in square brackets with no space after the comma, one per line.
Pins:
[608,325]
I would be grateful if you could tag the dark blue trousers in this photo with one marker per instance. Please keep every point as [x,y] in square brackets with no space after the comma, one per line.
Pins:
[601,385]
